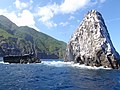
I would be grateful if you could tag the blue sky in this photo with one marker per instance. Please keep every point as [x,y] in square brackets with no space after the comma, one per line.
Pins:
[60,18]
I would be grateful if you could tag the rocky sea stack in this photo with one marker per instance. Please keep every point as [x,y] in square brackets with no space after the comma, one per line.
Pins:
[91,44]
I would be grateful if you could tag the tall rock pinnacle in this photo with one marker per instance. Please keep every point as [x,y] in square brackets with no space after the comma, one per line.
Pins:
[91,44]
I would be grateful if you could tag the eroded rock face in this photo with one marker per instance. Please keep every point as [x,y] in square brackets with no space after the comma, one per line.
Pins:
[91,44]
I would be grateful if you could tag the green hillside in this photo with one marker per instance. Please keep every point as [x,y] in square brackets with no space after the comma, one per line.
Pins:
[16,40]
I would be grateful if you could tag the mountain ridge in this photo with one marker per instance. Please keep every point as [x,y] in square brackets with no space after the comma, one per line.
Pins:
[45,46]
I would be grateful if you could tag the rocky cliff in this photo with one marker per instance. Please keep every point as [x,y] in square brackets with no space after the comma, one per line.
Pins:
[91,44]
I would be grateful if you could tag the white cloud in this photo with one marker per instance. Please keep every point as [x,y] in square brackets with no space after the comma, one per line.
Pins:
[10,15]
[70,6]
[31,1]
[64,23]
[22,5]
[2,11]
[50,24]
[71,18]
[95,2]
[25,18]
[46,13]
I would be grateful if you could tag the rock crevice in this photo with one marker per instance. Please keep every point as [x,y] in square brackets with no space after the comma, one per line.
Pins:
[91,44]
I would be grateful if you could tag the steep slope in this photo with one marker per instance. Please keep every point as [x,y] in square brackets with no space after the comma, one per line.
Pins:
[16,40]
[7,25]
[91,43]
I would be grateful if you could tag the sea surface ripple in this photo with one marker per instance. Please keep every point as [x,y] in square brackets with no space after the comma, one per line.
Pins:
[57,75]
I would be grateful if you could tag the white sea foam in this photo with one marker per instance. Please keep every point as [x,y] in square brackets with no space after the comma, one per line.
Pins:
[3,62]
[66,64]
[87,67]
[70,64]
[56,63]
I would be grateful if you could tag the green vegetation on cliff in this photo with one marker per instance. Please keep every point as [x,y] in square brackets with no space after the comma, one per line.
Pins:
[16,40]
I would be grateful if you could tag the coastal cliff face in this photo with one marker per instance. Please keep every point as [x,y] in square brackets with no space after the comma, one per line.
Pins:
[91,44]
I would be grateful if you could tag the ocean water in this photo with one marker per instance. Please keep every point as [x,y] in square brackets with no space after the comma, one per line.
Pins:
[57,75]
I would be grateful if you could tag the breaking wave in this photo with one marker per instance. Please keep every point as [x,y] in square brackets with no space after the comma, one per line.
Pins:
[56,63]
[1,62]
[70,64]
[61,63]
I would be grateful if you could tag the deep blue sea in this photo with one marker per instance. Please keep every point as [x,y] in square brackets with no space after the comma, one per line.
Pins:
[57,75]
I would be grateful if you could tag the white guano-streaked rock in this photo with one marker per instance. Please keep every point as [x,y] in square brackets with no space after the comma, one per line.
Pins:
[91,44]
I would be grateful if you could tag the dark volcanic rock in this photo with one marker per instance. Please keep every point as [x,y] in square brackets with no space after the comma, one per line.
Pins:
[91,44]
[28,58]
